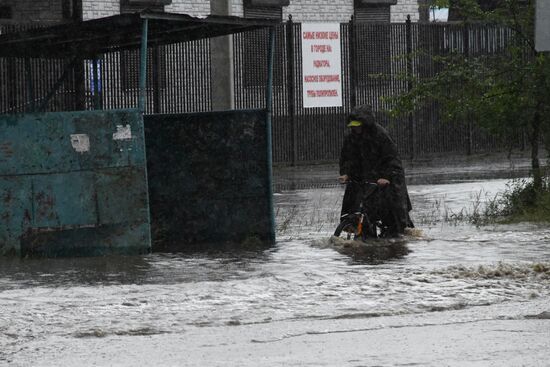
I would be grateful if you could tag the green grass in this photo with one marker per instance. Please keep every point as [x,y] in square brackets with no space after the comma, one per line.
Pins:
[520,202]
[535,212]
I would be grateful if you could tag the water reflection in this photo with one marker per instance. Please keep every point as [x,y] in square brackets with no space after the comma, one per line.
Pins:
[161,268]
[304,276]
[372,251]
[71,271]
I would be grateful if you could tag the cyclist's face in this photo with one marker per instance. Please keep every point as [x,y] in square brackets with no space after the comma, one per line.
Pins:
[356,129]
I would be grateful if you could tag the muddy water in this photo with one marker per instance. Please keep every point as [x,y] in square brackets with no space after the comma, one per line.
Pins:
[52,309]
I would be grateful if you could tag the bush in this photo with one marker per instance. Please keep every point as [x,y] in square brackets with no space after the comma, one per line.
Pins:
[522,202]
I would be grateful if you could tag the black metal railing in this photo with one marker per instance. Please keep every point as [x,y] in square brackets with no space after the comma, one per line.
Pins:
[375,60]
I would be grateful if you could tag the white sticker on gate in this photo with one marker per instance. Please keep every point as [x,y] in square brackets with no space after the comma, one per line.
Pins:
[80,142]
[123,133]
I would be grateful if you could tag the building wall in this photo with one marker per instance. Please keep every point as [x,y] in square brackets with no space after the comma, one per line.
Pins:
[35,10]
[236,7]
[309,10]
[319,11]
[195,8]
[92,9]
[332,10]
[301,10]
[403,8]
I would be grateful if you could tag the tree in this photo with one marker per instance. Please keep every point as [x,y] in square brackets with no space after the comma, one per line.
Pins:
[505,92]
[458,9]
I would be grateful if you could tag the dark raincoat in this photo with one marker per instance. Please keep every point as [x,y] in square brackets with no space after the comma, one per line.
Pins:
[372,155]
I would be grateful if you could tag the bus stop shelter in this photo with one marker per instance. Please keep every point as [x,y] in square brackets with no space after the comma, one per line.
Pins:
[100,182]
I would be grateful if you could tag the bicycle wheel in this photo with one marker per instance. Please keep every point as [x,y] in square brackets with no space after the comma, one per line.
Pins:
[369,231]
[346,229]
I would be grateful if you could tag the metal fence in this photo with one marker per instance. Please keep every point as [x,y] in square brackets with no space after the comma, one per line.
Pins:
[178,80]
[375,59]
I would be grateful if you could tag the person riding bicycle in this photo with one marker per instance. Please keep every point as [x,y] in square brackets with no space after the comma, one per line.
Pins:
[369,154]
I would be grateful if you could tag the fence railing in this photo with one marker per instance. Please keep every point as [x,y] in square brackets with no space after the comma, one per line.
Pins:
[375,59]
[178,80]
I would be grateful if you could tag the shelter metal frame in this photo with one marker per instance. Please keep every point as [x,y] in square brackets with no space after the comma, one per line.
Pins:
[89,39]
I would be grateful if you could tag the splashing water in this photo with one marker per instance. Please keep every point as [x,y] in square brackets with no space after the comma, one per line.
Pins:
[306,277]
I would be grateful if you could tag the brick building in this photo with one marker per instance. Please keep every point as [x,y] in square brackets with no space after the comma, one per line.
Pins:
[23,11]
[301,10]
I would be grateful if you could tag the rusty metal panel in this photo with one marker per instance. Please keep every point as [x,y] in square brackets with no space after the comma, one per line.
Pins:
[73,184]
[209,179]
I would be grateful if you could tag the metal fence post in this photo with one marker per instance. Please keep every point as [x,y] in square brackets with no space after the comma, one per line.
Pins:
[269,109]
[143,65]
[410,118]
[352,58]
[11,85]
[79,70]
[30,85]
[96,95]
[79,85]
[291,92]
[469,126]
[156,80]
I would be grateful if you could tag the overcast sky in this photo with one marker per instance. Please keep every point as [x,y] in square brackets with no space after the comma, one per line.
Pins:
[440,15]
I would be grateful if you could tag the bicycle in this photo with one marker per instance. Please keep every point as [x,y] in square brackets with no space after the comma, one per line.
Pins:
[360,224]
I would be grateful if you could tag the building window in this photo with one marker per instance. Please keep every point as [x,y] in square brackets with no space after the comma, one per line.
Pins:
[373,11]
[272,9]
[375,14]
[263,12]
[133,6]
[6,12]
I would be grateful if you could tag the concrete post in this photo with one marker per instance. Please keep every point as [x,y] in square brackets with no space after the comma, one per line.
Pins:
[221,51]
[542,26]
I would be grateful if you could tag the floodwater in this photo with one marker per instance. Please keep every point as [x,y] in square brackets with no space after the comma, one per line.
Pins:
[460,295]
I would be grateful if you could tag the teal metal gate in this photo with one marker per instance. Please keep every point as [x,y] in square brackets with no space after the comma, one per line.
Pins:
[73,184]
[209,179]
[76,184]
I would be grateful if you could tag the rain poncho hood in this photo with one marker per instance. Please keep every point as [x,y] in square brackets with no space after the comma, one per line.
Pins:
[370,127]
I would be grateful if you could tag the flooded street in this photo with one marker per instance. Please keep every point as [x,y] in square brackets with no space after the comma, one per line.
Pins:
[463,295]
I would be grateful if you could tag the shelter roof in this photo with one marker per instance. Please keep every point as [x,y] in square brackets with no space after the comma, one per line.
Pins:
[121,32]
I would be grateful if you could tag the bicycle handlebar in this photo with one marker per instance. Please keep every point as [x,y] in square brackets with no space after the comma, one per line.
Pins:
[360,182]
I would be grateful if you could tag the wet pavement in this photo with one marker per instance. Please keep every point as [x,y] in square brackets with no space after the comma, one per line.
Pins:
[432,170]
[460,295]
